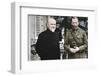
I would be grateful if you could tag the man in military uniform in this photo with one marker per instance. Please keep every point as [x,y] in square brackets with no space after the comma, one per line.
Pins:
[75,41]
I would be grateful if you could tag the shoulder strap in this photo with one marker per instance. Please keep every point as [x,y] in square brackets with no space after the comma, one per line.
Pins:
[74,37]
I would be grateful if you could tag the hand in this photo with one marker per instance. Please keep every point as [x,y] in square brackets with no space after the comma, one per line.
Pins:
[74,50]
[77,49]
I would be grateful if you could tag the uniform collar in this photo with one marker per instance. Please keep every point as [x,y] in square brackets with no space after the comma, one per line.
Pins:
[75,29]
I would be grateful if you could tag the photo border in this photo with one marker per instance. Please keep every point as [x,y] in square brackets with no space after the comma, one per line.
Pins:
[16,53]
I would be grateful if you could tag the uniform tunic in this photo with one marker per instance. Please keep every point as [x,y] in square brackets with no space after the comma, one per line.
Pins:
[76,38]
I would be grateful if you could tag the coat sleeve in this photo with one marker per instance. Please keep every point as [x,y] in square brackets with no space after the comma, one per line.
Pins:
[38,44]
[66,43]
[84,46]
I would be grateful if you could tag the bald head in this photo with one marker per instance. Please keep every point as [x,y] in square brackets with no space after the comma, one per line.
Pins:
[51,25]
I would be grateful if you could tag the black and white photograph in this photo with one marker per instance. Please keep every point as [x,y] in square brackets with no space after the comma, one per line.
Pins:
[57,37]
[48,39]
